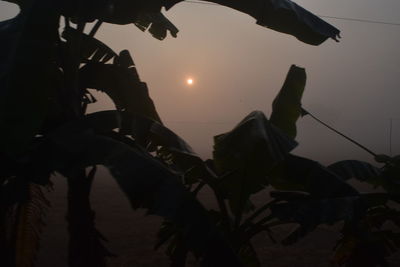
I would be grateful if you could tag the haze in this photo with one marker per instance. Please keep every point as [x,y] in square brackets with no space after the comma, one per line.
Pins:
[239,67]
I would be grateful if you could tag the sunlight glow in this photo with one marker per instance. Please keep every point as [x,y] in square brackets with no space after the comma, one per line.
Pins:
[189,81]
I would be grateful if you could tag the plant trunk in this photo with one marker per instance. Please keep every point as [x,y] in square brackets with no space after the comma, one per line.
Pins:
[85,247]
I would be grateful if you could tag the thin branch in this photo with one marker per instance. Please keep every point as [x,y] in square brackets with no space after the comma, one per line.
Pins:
[339,133]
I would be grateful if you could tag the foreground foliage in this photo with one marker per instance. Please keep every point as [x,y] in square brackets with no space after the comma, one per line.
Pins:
[46,78]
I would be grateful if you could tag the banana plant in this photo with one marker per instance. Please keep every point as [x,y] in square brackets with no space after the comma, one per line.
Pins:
[46,78]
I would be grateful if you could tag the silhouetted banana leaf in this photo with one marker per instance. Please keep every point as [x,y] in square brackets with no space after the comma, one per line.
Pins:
[286,108]
[122,85]
[147,183]
[287,17]
[359,170]
[301,174]
[311,212]
[91,48]
[157,24]
[246,154]
[387,177]
[136,125]
[29,77]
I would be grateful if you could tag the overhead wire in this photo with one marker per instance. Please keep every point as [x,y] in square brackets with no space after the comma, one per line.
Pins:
[322,16]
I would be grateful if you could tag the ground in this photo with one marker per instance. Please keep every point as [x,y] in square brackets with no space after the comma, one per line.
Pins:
[132,234]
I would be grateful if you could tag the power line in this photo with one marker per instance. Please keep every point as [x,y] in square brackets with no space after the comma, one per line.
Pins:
[322,16]
[361,20]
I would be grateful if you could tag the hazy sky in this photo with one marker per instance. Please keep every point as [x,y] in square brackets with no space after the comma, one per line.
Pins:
[238,66]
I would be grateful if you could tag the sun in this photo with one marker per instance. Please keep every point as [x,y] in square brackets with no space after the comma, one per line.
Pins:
[189,81]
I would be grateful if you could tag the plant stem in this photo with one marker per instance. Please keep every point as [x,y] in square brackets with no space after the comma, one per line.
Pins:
[210,178]
[248,221]
[95,28]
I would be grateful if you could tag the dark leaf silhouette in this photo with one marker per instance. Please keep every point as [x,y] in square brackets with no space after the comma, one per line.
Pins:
[147,183]
[287,17]
[246,154]
[286,108]
[91,48]
[123,86]
[359,170]
[311,212]
[301,174]
[28,75]
[157,24]
[139,127]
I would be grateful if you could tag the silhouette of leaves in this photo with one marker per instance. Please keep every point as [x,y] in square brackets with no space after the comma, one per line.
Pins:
[286,108]
[359,170]
[121,84]
[91,48]
[246,154]
[309,212]
[157,24]
[29,75]
[286,17]
[301,174]
[147,183]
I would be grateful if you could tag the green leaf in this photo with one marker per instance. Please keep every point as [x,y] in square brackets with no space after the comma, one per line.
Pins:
[286,108]
[286,17]
[29,75]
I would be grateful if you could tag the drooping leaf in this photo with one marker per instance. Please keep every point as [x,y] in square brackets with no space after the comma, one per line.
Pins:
[246,154]
[286,108]
[157,24]
[28,74]
[91,48]
[287,17]
[137,126]
[311,212]
[30,222]
[359,170]
[122,85]
[146,182]
[254,141]
[301,174]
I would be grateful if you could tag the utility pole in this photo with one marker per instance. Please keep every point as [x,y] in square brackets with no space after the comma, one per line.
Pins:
[390,135]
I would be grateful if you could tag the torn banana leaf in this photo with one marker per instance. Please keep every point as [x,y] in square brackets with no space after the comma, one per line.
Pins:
[287,17]
[157,24]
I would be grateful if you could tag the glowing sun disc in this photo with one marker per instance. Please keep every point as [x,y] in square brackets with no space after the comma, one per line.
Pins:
[189,81]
